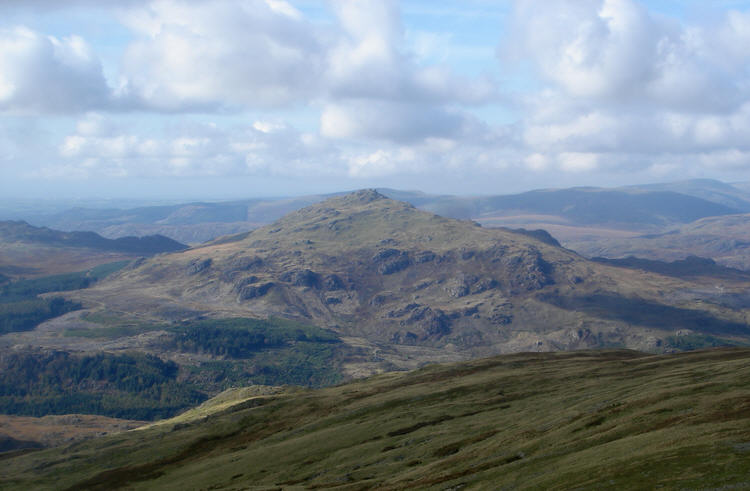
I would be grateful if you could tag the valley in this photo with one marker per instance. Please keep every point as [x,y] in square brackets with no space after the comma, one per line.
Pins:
[292,244]
[353,286]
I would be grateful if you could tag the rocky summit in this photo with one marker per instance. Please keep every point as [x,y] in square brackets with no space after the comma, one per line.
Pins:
[411,286]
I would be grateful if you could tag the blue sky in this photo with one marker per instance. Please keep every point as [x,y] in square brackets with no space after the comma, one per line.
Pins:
[223,99]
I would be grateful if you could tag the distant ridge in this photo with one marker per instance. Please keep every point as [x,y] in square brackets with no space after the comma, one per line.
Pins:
[20,231]
[588,206]
[646,208]
[691,266]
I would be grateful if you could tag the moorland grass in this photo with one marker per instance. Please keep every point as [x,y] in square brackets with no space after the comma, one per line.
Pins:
[579,420]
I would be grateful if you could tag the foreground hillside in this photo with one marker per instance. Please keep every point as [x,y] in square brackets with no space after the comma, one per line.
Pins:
[585,420]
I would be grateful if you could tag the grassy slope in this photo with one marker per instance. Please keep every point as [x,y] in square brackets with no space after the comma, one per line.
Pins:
[61,429]
[582,420]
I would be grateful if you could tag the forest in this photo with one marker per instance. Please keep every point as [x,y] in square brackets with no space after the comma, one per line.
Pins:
[133,385]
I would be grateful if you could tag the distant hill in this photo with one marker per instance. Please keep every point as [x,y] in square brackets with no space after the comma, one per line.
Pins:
[19,231]
[732,196]
[666,221]
[645,208]
[690,267]
[587,206]
[26,250]
[189,222]
[354,285]
[582,420]
[725,239]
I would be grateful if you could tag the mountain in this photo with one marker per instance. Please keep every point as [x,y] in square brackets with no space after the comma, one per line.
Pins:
[410,286]
[582,420]
[355,285]
[32,251]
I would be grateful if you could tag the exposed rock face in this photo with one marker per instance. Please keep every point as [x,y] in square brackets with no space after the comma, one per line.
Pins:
[460,286]
[249,289]
[303,277]
[391,261]
[431,323]
[529,271]
[332,282]
[244,263]
[199,266]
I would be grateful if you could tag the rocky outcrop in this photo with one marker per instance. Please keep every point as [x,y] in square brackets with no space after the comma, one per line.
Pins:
[198,266]
[391,261]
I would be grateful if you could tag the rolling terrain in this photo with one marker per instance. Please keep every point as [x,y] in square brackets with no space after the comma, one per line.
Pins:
[408,285]
[355,285]
[615,208]
[582,420]
[725,239]
[569,214]
[667,221]
[30,251]
[190,223]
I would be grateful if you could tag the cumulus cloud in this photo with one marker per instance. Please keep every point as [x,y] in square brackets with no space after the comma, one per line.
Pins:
[369,61]
[617,51]
[101,147]
[378,90]
[395,121]
[626,89]
[212,54]
[614,89]
[47,74]
[206,56]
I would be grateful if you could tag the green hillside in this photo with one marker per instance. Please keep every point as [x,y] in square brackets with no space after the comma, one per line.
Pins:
[579,420]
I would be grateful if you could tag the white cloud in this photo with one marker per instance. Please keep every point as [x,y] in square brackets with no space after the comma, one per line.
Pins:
[377,90]
[40,74]
[586,129]
[377,163]
[369,60]
[211,54]
[733,159]
[617,51]
[578,161]
[193,150]
[629,91]
[395,121]
[613,90]
[536,162]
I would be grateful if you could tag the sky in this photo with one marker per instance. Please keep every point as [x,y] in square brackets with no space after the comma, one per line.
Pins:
[226,99]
